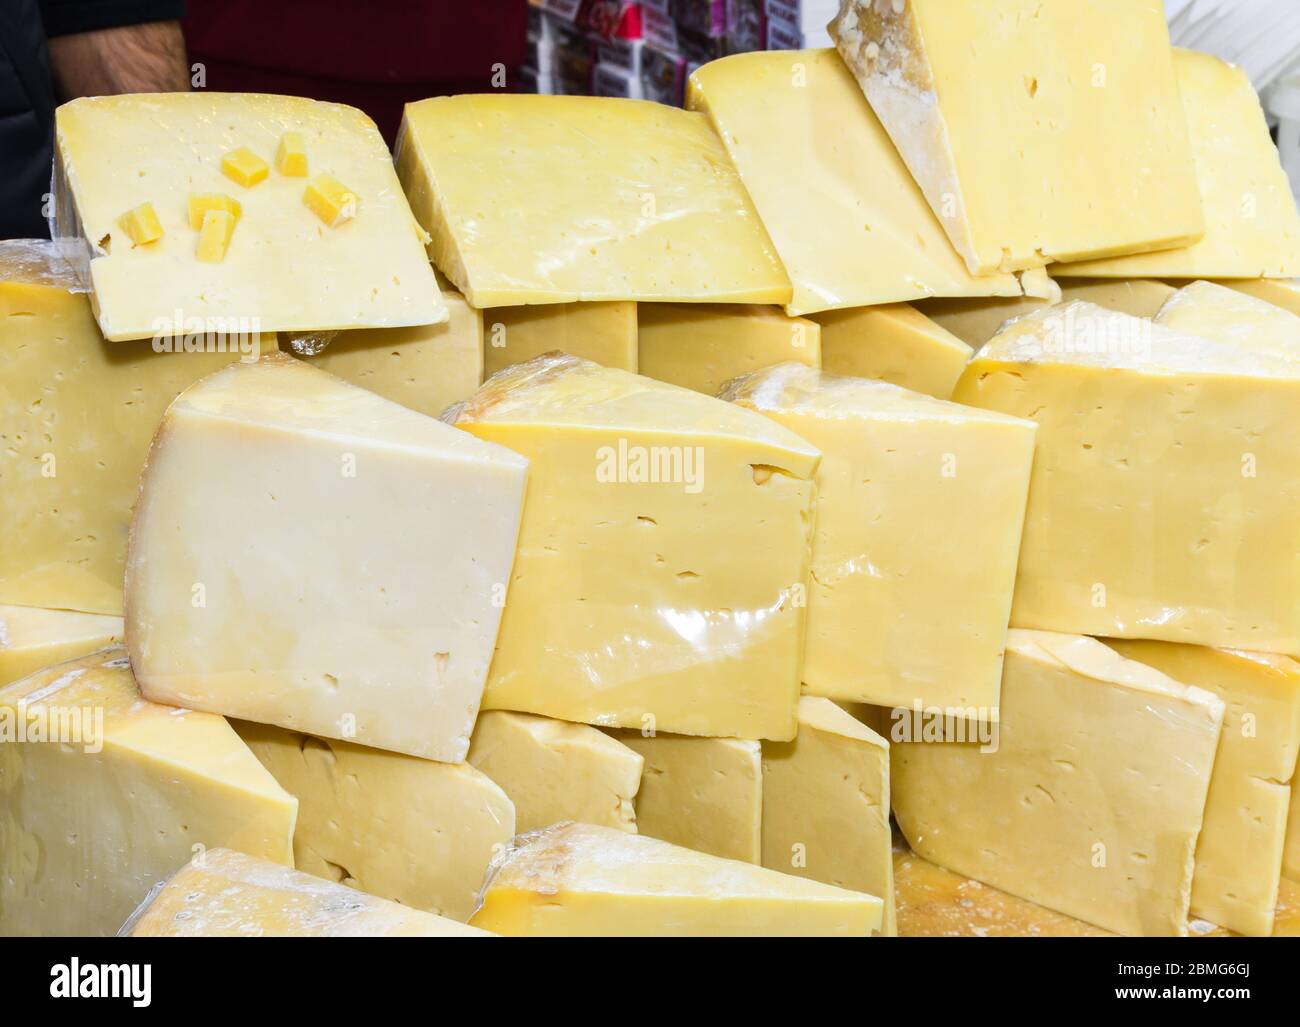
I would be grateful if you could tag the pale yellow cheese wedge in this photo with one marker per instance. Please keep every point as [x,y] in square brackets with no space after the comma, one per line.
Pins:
[1281,292]
[895,343]
[31,638]
[1233,318]
[603,332]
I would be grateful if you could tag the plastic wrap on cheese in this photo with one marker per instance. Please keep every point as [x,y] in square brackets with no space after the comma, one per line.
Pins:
[40,262]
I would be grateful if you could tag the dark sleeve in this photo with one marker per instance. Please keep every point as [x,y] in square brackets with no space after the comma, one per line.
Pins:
[66,17]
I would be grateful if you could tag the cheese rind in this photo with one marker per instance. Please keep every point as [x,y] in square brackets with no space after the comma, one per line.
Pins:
[32,638]
[603,332]
[895,343]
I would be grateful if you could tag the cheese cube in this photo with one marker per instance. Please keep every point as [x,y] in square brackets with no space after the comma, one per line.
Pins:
[1048,82]
[214,236]
[141,225]
[1233,318]
[663,551]
[554,771]
[201,203]
[920,505]
[104,793]
[291,155]
[576,879]
[242,165]
[411,830]
[32,638]
[603,332]
[1281,292]
[323,581]
[330,200]
[1164,495]
[895,343]
[1090,800]
[548,199]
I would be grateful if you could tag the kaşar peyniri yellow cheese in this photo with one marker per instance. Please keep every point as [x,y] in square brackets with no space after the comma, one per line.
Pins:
[603,332]
[32,638]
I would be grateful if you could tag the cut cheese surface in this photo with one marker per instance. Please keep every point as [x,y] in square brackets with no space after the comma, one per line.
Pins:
[575,879]
[114,152]
[1092,802]
[920,504]
[1252,228]
[632,200]
[636,600]
[1281,292]
[603,332]
[32,638]
[387,641]
[225,894]
[411,830]
[848,220]
[895,343]
[1234,318]
[1049,82]
[975,321]
[106,793]
[554,771]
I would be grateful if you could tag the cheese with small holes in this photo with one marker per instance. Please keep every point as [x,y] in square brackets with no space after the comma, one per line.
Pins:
[411,830]
[113,152]
[1281,292]
[603,332]
[549,199]
[576,879]
[895,343]
[329,586]
[32,638]
[103,793]
[636,599]
[553,770]
[1064,89]
[225,894]
[1233,318]
[1090,799]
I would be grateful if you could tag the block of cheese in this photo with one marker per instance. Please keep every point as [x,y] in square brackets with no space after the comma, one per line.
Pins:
[639,597]
[296,560]
[920,505]
[1166,481]
[411,830]
[849,222]
[225,894]
[103,793]
[1065,89]
[1291,848]
[547,199]
[32,638]
[1252,228]
[895,343]
[1092,802]
[826,805]
[76,416]
[704,794]
[553,770]
[1239,854]
[701,346]
[115,152]
[975,321]
[1281,292]
[1232,317]
[603,332]
[576,879]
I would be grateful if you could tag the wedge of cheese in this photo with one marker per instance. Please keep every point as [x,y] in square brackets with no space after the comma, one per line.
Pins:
[631,200]
[895,343]
[554,771]
[411,830]
[284,270]
[576,879]
[103,793]
[1232,317]
[1091,802]
[975,321]
[603,332]
[1252,228]
[850,223]
[32,638]
[1281,292]
[225,894]
[296,559]
[1164,499]
[704,794]
[701,347]
[1048,82]
[1240,851]
[920,505]
[664,548]
[826,805]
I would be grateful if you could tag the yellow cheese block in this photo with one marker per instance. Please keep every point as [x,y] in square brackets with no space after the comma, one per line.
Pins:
[975,321]
[1281,292]
[548,199]
[1234,318]
[826,805]
[225,894]
[291,155]
[1162,503]
[103,793]
[1239,854]
[32,638]
[702,347]
[920,505]
[115,151]
[849,222]
[704,794]
[1064,88]
[1252,228]
[295,560]
[141,225]
[1291,847]
[554,771]
[895,343]
[603,332]
[1092,802]
[411,830]
[576,879]
[664,545]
